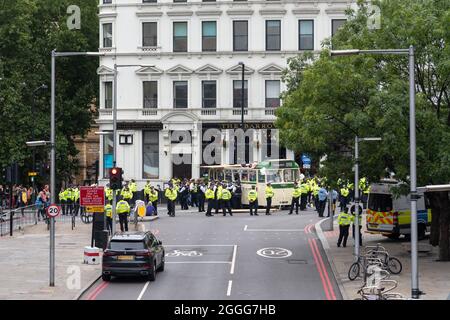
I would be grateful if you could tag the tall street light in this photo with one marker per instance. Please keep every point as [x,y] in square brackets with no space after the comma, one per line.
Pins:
[415,292]
[56,54]
[116,66]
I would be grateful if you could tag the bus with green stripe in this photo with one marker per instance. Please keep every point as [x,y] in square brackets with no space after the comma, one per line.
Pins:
[281,173]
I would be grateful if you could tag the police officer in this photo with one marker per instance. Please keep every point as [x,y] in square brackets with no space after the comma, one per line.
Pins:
[352,210]
[108,213]
[209,195]
[269,195]
[123,210]
[344,191]
[171,195]
[69,200]
[132,187]
[76,200]
[108,193]
[147,188]
[62,200]
[201,197]
[253,201]
[226,201]
[303,196]
[153,197]
[295,199]
[344,219]
[126,194]
[218,196]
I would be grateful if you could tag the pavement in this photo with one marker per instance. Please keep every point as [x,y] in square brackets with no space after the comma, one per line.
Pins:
[275,257]
[24,261]
[434,277]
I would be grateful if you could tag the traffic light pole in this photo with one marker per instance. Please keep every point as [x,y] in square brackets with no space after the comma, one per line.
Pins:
[114,213]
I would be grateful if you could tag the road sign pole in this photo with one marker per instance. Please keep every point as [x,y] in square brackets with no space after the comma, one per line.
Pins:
[114,213]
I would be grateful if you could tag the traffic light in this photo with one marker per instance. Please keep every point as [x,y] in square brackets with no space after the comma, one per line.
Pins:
[115,178]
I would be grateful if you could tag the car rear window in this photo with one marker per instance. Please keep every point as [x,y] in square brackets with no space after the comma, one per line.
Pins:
[126,245]
[380,202]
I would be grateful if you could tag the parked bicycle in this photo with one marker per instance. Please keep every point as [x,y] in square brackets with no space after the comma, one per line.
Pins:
[382,291]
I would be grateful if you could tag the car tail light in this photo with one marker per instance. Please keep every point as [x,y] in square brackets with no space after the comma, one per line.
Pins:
[109,253]
[143,253]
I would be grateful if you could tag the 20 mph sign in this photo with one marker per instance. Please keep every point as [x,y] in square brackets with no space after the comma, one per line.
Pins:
[53,211]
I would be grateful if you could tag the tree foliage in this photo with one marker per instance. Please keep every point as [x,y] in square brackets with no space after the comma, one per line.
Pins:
[30,30]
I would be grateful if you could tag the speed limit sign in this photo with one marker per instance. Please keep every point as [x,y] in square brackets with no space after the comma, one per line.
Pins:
[53,211]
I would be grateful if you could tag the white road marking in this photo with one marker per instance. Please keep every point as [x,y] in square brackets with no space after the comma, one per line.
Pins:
[143,290]
[233,261]
[230,283]
[198,245]
[245,228]
[275,230]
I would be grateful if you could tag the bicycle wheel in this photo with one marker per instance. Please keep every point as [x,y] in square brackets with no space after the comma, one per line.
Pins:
[353,272]
[394,266]
[86,218]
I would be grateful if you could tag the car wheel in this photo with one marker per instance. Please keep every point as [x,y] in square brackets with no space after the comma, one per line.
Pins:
[421,232]
[152,274]
[161,266]
[106,277]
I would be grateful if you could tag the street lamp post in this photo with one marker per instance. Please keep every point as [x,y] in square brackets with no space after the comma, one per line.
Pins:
[415,292]
[56,54]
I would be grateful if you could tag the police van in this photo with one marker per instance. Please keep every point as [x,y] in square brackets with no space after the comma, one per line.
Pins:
[390,215]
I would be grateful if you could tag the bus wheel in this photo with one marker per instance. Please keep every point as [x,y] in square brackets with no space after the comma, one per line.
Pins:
[394,236]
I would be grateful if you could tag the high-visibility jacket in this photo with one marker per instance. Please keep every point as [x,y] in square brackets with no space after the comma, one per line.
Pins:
[219,192]
[62,196]
[108,210]
[109,194]
[209,194]
[76,195]
[153,196]
[171,194]
[344,219]
[304,188]
[269,192]
[123,207]
[297,192]
[126,194]
[147,189]
[252,195]
[132,187]
[68,193]
[345,192]
[226,194]
[316,189]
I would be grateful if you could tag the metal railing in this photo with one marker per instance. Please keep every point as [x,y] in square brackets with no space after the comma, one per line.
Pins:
[17,219]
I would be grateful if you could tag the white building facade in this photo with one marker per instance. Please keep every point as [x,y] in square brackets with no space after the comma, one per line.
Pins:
[179,79]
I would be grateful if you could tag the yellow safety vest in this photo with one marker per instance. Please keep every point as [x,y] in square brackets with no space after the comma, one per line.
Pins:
[252,195]
[122,207]
[269,192]
[209,194]
[226,194]
[171,194]
[126,194]
[219,192]
[147,189]
[153,196]
[108,210]
[132,187]
[345,192]
[109,194]
[62,196]
[304,188]
[296,193]
[344,219]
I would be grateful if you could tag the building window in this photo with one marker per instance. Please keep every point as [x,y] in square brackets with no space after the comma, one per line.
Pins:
[240,35]
[180,37]
[151,155]
[107,1]
[336,24]
[107,35]
[179,0]
[272,93]
[108,94]
[108,153]
[209,34]
[306,35]
[273,35]
[126,139]
[149,1]
[209,94]
[149,34]
[237,94]
[180,94]
[150,94]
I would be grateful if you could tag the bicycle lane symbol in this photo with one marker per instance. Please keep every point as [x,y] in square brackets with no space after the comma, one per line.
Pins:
[274,253]
[184,253]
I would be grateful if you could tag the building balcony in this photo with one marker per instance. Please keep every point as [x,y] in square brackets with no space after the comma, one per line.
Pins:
[203,114]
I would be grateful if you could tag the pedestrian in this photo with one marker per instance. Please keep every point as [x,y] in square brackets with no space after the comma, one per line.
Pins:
[123,210]
[226,201]
[303,195]
[171,195]
[62,200]
[344,192]
[322,196]
[201,197]
[344,219]
[132,187]
[269,196]
[218,196]
[153,197]
[209,195]
[147,188]
[352,210]
[108,213]
[253,201]
[296,193]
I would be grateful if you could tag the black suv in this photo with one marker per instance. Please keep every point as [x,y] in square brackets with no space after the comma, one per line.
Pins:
[133,253]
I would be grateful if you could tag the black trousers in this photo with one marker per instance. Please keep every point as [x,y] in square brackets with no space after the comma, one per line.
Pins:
[322,205]
[201,202]
[63,207]
[343,235]
[211,206]
[226,205]
[76,208]
[303,201]
[218,205]
[360,234]
[295,201]
[171,208]
[123,220]
[109,224]
[253,208]
[268,205]
[155,205]
[69,208]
